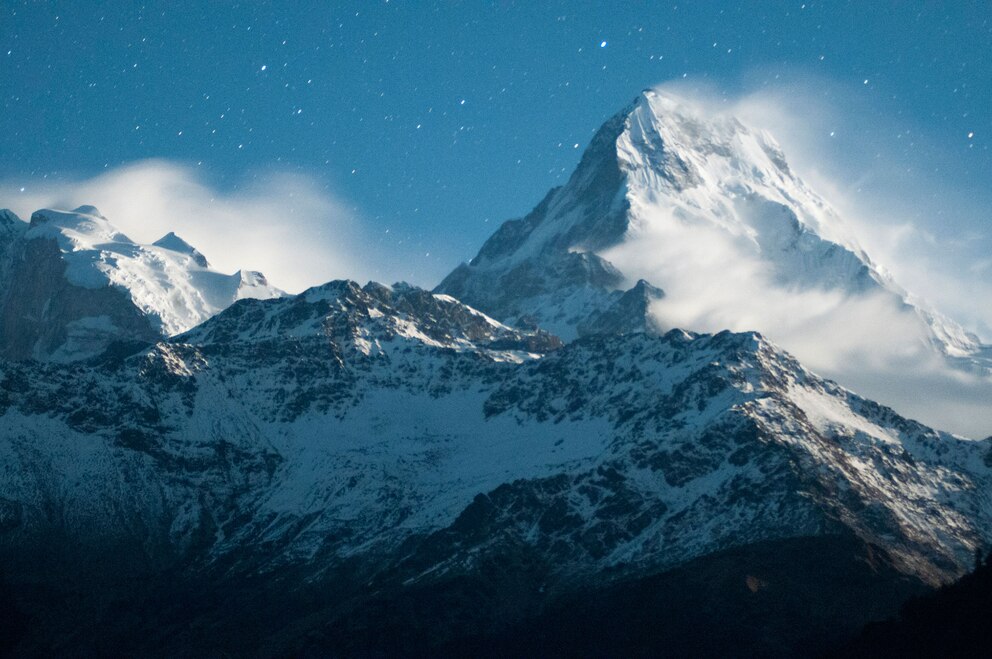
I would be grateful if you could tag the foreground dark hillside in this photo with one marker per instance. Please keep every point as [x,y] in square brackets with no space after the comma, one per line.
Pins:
[954,621]
[796,597]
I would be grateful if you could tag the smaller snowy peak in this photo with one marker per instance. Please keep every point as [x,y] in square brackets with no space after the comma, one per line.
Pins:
[174,243]
[169,281]
[254,285]
[76,270]
[86,209]
[75,230]
[252,278]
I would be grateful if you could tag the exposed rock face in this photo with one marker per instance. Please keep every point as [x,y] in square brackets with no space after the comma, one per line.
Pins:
[44,316]
[11,227]
[10,222]
[543,268]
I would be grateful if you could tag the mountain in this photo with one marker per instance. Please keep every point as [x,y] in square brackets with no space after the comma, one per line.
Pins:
[308,461]
[194,463]
[662,174]
[71,285]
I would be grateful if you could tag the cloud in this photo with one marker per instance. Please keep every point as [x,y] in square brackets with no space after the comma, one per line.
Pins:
[899,191]
[870,342]
[714,280]
[284,225]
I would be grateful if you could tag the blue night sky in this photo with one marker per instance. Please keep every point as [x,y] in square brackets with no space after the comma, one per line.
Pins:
[432,122]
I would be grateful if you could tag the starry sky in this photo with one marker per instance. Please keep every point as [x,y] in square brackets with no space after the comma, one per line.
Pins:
[433,122]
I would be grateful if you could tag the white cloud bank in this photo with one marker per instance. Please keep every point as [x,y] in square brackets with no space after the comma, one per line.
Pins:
[284,225]
[869,343]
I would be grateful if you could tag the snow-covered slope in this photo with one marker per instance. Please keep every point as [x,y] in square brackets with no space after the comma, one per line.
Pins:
[384,425]
[658,181]
[73,283]
[368,441]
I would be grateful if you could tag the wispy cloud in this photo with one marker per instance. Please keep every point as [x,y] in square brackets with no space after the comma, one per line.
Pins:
[870,342]
[894,186]
[285,225]
[897,189]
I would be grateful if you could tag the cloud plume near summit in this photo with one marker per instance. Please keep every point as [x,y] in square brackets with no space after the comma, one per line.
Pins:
[870,342]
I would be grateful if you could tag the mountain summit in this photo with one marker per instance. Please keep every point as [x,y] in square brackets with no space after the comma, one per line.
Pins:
[661,176]
[174,243]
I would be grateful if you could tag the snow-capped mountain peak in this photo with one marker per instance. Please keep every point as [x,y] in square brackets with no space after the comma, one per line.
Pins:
[707,209]
[81,229]
[658,162]
[72,283]
[670,143]
[368,318]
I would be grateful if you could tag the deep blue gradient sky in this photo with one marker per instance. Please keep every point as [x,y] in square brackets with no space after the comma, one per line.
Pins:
[436,121]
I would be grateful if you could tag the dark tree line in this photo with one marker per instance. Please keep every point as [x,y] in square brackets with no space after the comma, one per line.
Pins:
[953,621]
[13,622]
